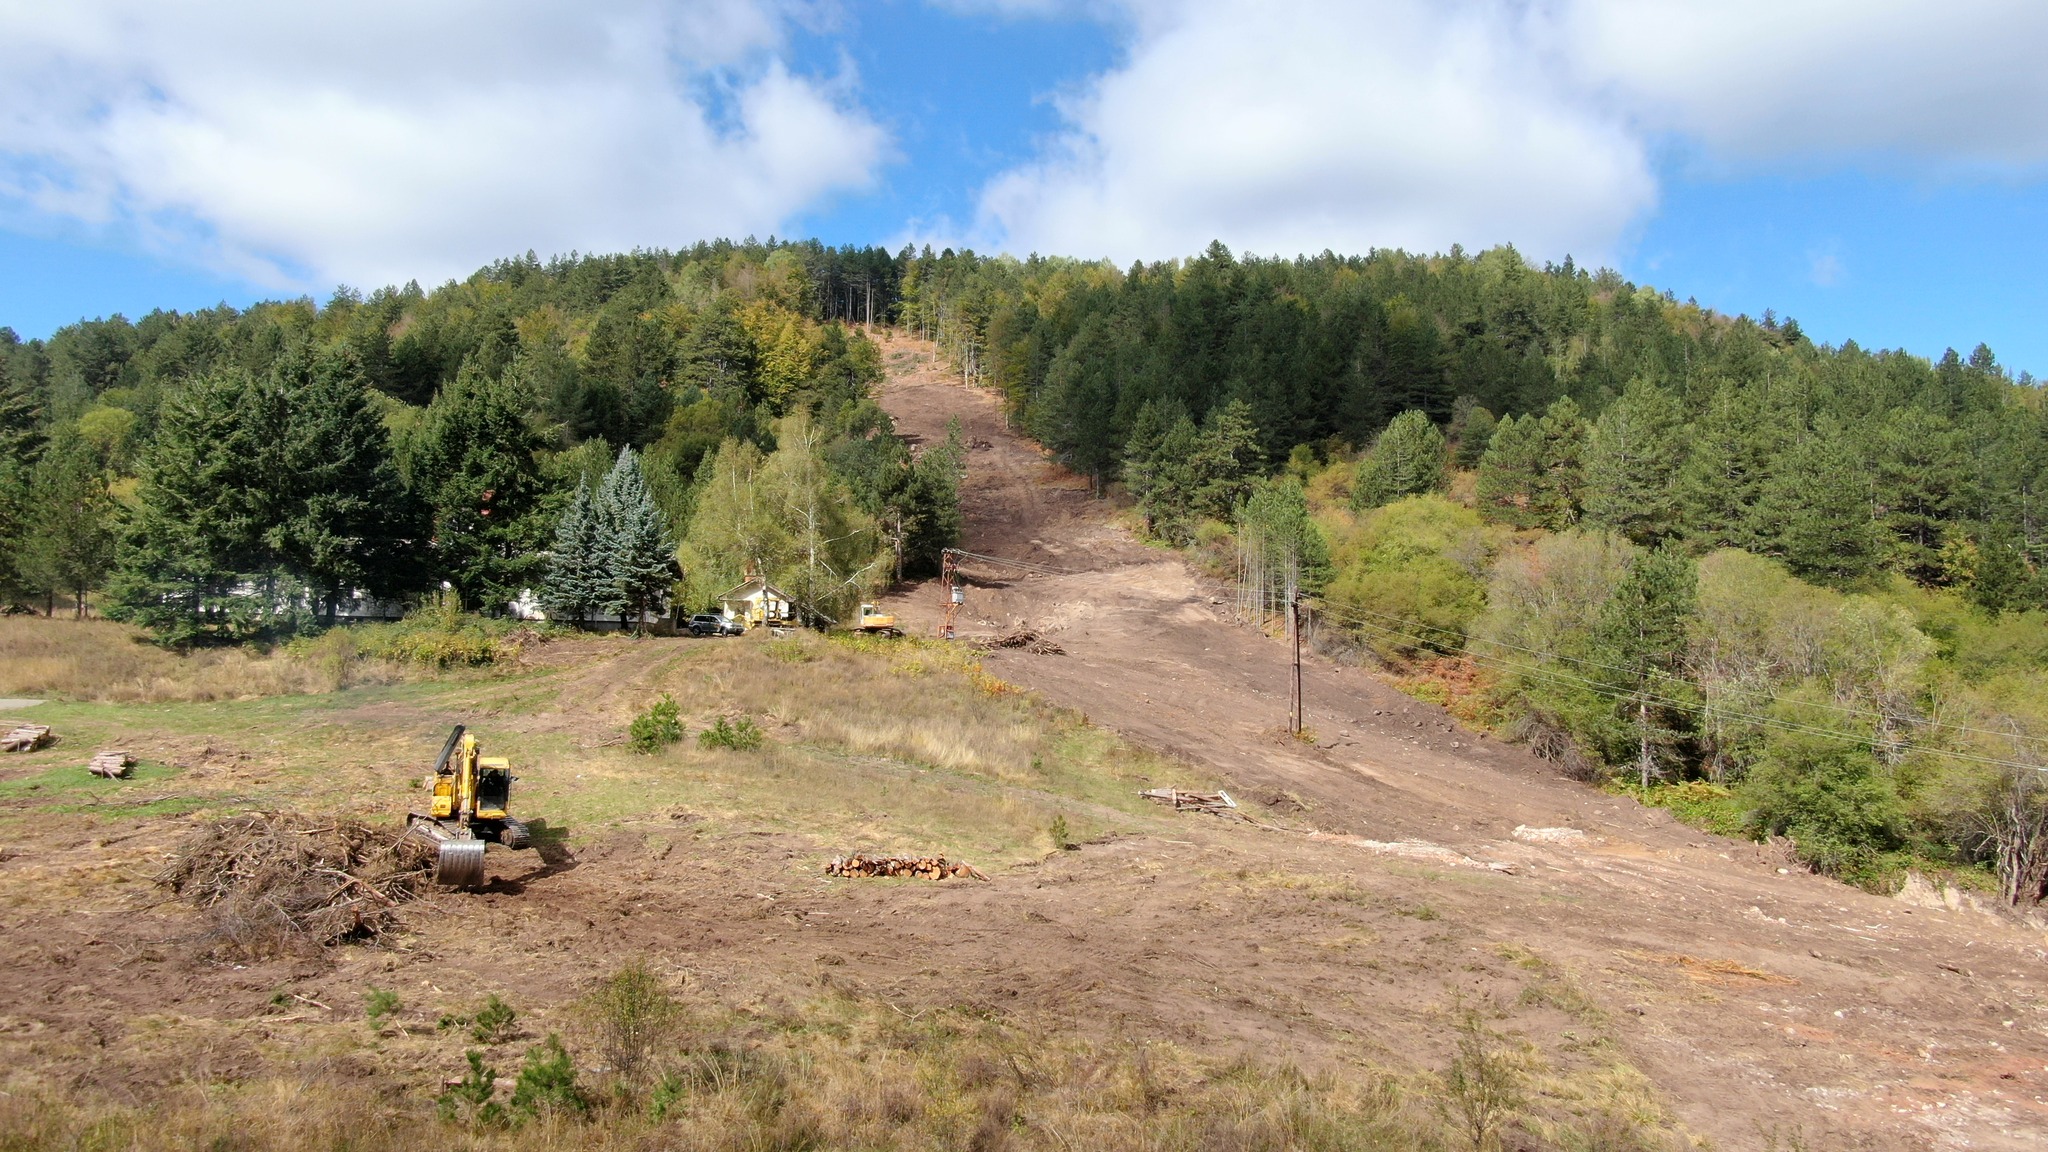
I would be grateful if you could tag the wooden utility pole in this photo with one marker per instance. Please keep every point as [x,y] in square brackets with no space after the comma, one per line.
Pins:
[1295,719]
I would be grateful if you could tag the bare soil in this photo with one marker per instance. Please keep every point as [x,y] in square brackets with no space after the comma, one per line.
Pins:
[1380,883]
[1867,1019]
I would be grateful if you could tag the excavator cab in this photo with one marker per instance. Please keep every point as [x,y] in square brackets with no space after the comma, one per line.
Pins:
[469,796]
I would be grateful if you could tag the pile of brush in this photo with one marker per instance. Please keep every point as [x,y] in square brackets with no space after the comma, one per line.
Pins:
[920,867]
[1024,638]
[279,881]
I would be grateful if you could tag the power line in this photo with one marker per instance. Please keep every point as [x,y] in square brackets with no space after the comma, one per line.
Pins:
[1686,706]
[1467,641]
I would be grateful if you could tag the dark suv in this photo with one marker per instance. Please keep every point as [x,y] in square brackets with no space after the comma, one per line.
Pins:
[712,624]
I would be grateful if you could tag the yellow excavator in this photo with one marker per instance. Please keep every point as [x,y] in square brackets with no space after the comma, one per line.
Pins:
[466,811]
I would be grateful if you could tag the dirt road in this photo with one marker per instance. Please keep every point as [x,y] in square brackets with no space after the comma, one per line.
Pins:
[1754,996]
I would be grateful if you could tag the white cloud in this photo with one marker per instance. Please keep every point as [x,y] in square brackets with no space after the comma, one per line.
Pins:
[303,145]
[1411,123]
[1955,82]
[1324,123]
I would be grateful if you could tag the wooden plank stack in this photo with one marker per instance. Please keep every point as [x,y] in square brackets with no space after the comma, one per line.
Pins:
[26,738]
[1218,802]
[113,764]
[919,867]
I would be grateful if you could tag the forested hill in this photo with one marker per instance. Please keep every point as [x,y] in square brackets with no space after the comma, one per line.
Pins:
[1664,418]
[232,473]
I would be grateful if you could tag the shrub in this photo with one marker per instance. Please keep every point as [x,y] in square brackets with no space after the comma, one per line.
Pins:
[547,1084]
[379,1003]
[494,1022]
[740,735]
[656,728]
[631,1013]
[1062,839]
[469,1102]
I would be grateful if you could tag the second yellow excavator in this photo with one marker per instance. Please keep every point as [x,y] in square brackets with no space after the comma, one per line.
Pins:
[469,795]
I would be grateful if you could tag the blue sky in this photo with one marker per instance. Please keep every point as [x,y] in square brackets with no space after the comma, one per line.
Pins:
[1846,174]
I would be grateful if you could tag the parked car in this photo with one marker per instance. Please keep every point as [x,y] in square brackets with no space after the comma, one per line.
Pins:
[712,624]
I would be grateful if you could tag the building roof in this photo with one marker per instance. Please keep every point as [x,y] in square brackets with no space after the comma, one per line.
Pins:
[748,589]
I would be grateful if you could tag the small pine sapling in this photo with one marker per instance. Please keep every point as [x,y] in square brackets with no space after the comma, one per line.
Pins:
[656,728]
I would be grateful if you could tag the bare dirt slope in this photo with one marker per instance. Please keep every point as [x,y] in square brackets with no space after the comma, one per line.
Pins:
[1858,1015]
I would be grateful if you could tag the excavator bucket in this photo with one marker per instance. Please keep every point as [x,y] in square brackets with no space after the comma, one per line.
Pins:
[460,864]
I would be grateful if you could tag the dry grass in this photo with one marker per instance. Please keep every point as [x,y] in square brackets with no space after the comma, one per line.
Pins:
[102,661]
[839,1072]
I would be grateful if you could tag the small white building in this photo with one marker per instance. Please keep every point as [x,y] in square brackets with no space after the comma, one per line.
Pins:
[758,602]
[528,607]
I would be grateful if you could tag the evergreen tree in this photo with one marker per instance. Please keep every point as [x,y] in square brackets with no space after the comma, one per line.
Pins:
[1226,462]
[69,545]
[1560,485]
[1173,480]
[1817,501]
[1406,460]
[347,523]
[572,588]
[1511,472]
[472,465]
[928,510]
[1641,638]
[1630,459]
[1141,466]
[1473,430]
[194,559]
[1921,482]
[20,438]
[1730,449]
[635,557]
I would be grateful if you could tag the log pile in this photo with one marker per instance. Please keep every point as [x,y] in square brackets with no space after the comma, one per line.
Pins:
[919,867]
[276,881]
[1024,638]
[26,738]
[1218,802]
[112,764]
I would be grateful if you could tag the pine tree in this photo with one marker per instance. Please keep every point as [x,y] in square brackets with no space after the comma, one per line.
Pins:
[635,558]
[1817,501]
[1560,485]
[1226,462]
[347,522]
[20,438]
[1511,471]
[1406,460]
[69,545]
[1730,448]
[210,493]
[1641,638]
[472,465]
[570,590]
[1630,458]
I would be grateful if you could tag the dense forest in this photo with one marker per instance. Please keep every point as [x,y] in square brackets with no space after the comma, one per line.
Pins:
[230,474]
[1786,588]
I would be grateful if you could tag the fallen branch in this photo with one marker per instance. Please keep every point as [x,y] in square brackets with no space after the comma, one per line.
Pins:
[1218,802]
[919,867]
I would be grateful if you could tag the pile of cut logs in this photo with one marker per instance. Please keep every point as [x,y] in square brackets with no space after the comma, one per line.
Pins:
[921,867]
[113,764]
[26,738]
[1218,802]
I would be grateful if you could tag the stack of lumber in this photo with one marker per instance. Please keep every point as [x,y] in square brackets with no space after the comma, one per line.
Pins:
[113,764]
[26,738]
[1218,802]
[921,867]
[1024,638]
